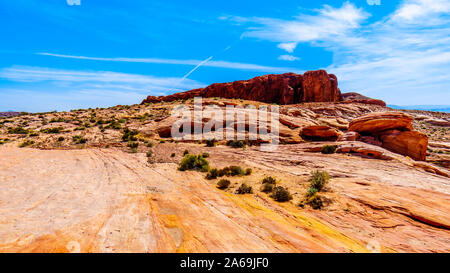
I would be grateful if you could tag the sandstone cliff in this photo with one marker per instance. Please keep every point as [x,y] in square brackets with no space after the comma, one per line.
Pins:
[288,88]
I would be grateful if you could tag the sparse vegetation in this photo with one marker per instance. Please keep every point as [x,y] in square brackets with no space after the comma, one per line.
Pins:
[269,180]
[318,180]
[244,189]
[18,130]
[266,188]
[223,184]
[280,194]
[60,139]
[129,135]
[79,140]
[194,162]
[248,171]
[205,155]
[186,152]
[236,143]
[26,143]
[211,142]
[328,149]
[55,130]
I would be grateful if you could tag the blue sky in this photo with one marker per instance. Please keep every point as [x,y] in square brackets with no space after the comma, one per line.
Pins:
[56,56]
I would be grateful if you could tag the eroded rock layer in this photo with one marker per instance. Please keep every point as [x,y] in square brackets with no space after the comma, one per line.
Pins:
[288,88]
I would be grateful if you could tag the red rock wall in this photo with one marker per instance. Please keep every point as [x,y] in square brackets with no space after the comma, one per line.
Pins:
[288,88]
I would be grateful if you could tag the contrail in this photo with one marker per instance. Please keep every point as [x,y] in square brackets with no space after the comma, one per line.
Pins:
[195,68]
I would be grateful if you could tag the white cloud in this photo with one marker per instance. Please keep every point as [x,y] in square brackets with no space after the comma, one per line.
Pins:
[403,58]
[289,47]
[288,58]
[220,64]
[326,23]
[416,9]
[45,89]
[41,74]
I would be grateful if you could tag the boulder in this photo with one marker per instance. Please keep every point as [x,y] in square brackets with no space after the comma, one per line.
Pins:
[381,121]
[349,136]
[320,132]
[288,88]
[411,143]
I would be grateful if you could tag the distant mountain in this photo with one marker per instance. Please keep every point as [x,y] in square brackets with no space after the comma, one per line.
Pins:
[435,108]
[9,114]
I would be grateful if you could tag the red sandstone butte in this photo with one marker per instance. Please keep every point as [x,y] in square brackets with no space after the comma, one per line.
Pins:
[288,88]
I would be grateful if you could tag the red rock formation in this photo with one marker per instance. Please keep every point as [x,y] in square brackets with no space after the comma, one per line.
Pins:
[288,88]
[352,97]
[393,131]
[381,121]
[320,133]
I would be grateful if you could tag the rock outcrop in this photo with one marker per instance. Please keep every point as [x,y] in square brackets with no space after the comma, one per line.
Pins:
[393,131]
[288,88]
[321,132]
[353,97]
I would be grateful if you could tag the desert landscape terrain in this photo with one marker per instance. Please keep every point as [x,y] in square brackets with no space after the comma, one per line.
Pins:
[114,180]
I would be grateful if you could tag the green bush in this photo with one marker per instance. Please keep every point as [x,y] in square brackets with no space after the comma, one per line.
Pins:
[129,135]
[236,143]
[205,155]
[26,143]
[194,162]
[315,201]
[318,180]
[55,130]
[133,145]
[79,139]
[244,189]
[186,152]
[18,130]
[267,187]
[149,153]
[329,149]
[281,194]
[223,184]
[269,180]
[248,171]
[236,171]
[211,142]
[212,174]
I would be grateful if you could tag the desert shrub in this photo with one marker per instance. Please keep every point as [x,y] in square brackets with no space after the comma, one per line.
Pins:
[114,125]
[315,201]
[223,184]
[186,152]
[33,134]
[55,130]
[17,130]
[162,141]
[133,145]
[281,194]
[236,171]
[150,144]
[205,155]
[81,128]
[149,154]
[172,155]
[57,120]
[236,143]
[211,142]
[194,162]
[129,135]
[26,143]
[267,187]
[60,139]
[269,180]
[212,174]
[244,189]
[248,171]
[318,180]
[79,139]
[328,149]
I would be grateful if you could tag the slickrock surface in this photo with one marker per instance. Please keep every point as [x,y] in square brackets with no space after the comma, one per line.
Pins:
[288,88]
[106,180]
[99,200]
